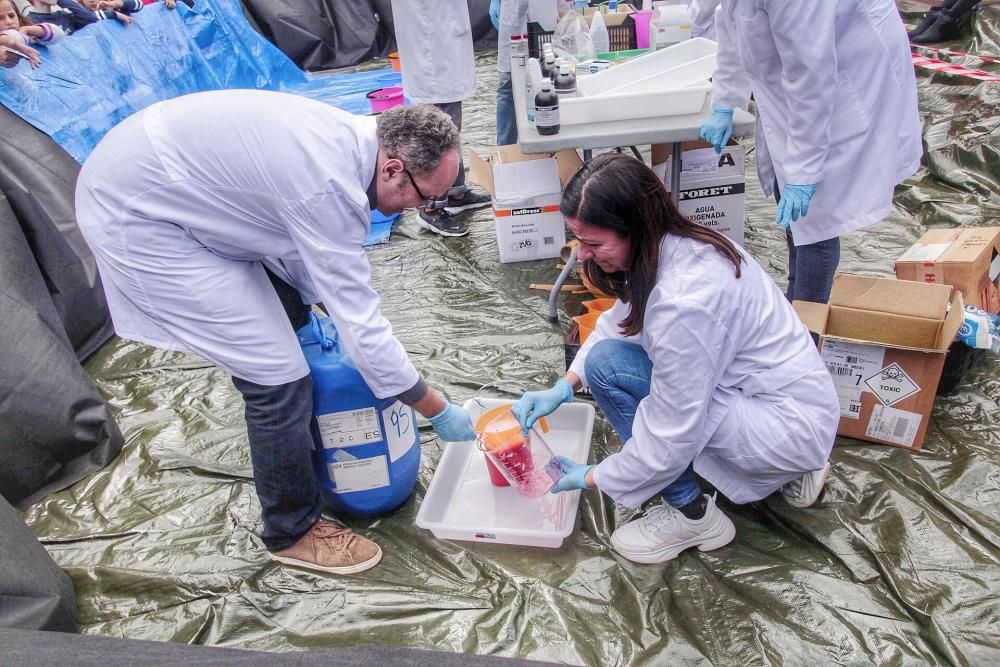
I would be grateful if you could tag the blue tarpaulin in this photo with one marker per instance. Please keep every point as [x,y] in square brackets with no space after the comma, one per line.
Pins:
[101,74]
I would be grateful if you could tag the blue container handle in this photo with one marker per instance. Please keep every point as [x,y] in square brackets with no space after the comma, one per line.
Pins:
[324,341]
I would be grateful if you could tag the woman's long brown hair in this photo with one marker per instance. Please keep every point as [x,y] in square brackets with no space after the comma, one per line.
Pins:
[621,194]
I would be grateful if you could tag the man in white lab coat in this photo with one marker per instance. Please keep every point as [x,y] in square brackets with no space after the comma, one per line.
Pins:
[223,184]
[434,39]
[701,366]
[837,120]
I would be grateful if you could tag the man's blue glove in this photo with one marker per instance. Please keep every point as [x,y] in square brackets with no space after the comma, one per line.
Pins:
[536,404]
[494,13]
[794,204]
[717,128]
[453,424]
[574,475]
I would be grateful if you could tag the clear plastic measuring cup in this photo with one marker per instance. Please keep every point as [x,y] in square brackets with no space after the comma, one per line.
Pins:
[525,461]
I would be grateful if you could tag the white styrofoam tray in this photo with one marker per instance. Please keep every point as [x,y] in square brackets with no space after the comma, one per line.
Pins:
[682,64]
[462,504]
[624,105]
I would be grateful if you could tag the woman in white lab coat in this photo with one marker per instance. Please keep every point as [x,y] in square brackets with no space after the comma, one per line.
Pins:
[701,367]
[434,38]
[837,120]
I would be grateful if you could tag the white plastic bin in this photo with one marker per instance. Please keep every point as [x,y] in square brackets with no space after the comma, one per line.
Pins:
[676,66]
[462,504]
[632,105]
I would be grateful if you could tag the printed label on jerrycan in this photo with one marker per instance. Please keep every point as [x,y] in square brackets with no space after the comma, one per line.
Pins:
[349,428]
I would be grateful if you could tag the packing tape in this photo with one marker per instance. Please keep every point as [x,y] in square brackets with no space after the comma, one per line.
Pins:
[957,70]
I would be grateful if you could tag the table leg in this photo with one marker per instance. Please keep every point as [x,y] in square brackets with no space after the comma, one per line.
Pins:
[587,154]
[560,281]
[675,172]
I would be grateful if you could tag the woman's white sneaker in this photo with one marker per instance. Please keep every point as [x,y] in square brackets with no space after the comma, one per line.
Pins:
[805,490]
[662,533]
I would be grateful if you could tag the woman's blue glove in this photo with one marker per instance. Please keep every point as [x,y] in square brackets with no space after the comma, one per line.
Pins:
[453,424]
[574,475]
[494,13]
[794,204]
[717,128]
[536,404]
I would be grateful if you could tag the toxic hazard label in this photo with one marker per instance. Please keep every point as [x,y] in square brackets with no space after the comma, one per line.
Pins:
[891,384]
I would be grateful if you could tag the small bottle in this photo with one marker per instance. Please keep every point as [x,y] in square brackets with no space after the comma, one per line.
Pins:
[565,81]
[548,66]
[612,6]
[547,110]
[525,45]
[516,56]
[599,34]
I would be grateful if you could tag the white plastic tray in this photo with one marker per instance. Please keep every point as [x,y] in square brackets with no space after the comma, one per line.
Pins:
[623,105]
[462,504]
[677,66]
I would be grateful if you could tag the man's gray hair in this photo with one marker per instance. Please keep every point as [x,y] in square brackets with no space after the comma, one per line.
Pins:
[418,135]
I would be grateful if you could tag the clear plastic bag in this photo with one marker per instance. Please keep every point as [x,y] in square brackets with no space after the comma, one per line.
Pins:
[571,39]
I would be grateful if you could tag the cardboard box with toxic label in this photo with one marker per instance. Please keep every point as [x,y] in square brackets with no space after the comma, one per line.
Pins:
[884,343]
[712,185]
[965,258]
[526,190]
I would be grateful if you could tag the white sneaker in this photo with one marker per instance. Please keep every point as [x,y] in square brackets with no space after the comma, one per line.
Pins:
[805,490]
[663,532]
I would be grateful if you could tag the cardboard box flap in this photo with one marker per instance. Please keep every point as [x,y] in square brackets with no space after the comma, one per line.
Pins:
[884,328]
[954,321]
[480,171]
[898,297]
[813,315]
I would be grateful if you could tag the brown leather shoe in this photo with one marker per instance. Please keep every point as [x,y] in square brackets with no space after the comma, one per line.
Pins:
[328,547]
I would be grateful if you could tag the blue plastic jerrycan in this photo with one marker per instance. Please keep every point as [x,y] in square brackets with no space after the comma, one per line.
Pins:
[367,452]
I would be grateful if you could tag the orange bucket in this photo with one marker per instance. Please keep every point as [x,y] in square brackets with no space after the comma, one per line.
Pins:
[599,305]
[394,62]
[586,323]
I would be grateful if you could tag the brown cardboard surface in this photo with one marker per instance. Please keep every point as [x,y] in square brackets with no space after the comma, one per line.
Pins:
[885,328]
[889,296]
[964,264]
[612,19]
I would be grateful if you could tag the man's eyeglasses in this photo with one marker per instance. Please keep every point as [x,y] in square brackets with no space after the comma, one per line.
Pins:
[428,201]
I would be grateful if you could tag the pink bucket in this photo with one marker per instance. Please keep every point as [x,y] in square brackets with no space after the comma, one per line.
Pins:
[385,98]
[642,19]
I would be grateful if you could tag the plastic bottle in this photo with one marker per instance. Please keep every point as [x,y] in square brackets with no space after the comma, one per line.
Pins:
[612,6]
[516,57]
[548,66]
[599,34]
[565,81]
[547,109]
[532,84]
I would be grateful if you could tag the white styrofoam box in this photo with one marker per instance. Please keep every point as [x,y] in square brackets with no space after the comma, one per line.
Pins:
[462,504]
[629,105]
[676,66]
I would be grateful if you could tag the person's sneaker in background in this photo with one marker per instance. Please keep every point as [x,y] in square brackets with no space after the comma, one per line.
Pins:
[663,532]
[441,222]
[805,490]
[328,547]
[469,201]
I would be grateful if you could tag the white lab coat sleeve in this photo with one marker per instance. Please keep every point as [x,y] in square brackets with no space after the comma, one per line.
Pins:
[805,36]
[328,230]
[690,349]
[606,327]
[730,83]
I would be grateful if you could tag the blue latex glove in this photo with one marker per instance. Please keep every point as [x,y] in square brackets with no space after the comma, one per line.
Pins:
[574,475]
[717,128]
[536,404]
[453,424]
[794,204]
[495,13]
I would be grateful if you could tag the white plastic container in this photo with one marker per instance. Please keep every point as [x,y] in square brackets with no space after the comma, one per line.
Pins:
[599,34]
[630,105]
[462,504]
[676,66]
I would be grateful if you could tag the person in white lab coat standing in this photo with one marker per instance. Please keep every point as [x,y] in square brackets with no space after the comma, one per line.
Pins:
[434,39]
[242,207]
[837,120]
[701,367]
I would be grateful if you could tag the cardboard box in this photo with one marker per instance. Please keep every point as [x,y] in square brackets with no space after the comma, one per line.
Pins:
[526,190]
[712,185]
[884,343]
[965,258]
[610,18]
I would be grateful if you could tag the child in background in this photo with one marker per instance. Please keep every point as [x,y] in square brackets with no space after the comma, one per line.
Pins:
[12,50]
[12,25]
[67,14]
[119,10]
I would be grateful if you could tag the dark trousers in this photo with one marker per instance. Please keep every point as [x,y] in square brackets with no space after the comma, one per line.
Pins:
[279,420]
[454,109]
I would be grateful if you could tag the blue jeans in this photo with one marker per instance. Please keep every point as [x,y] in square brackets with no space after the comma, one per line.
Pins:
[810,267]
[619,375]
[279,420]
[506,120]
